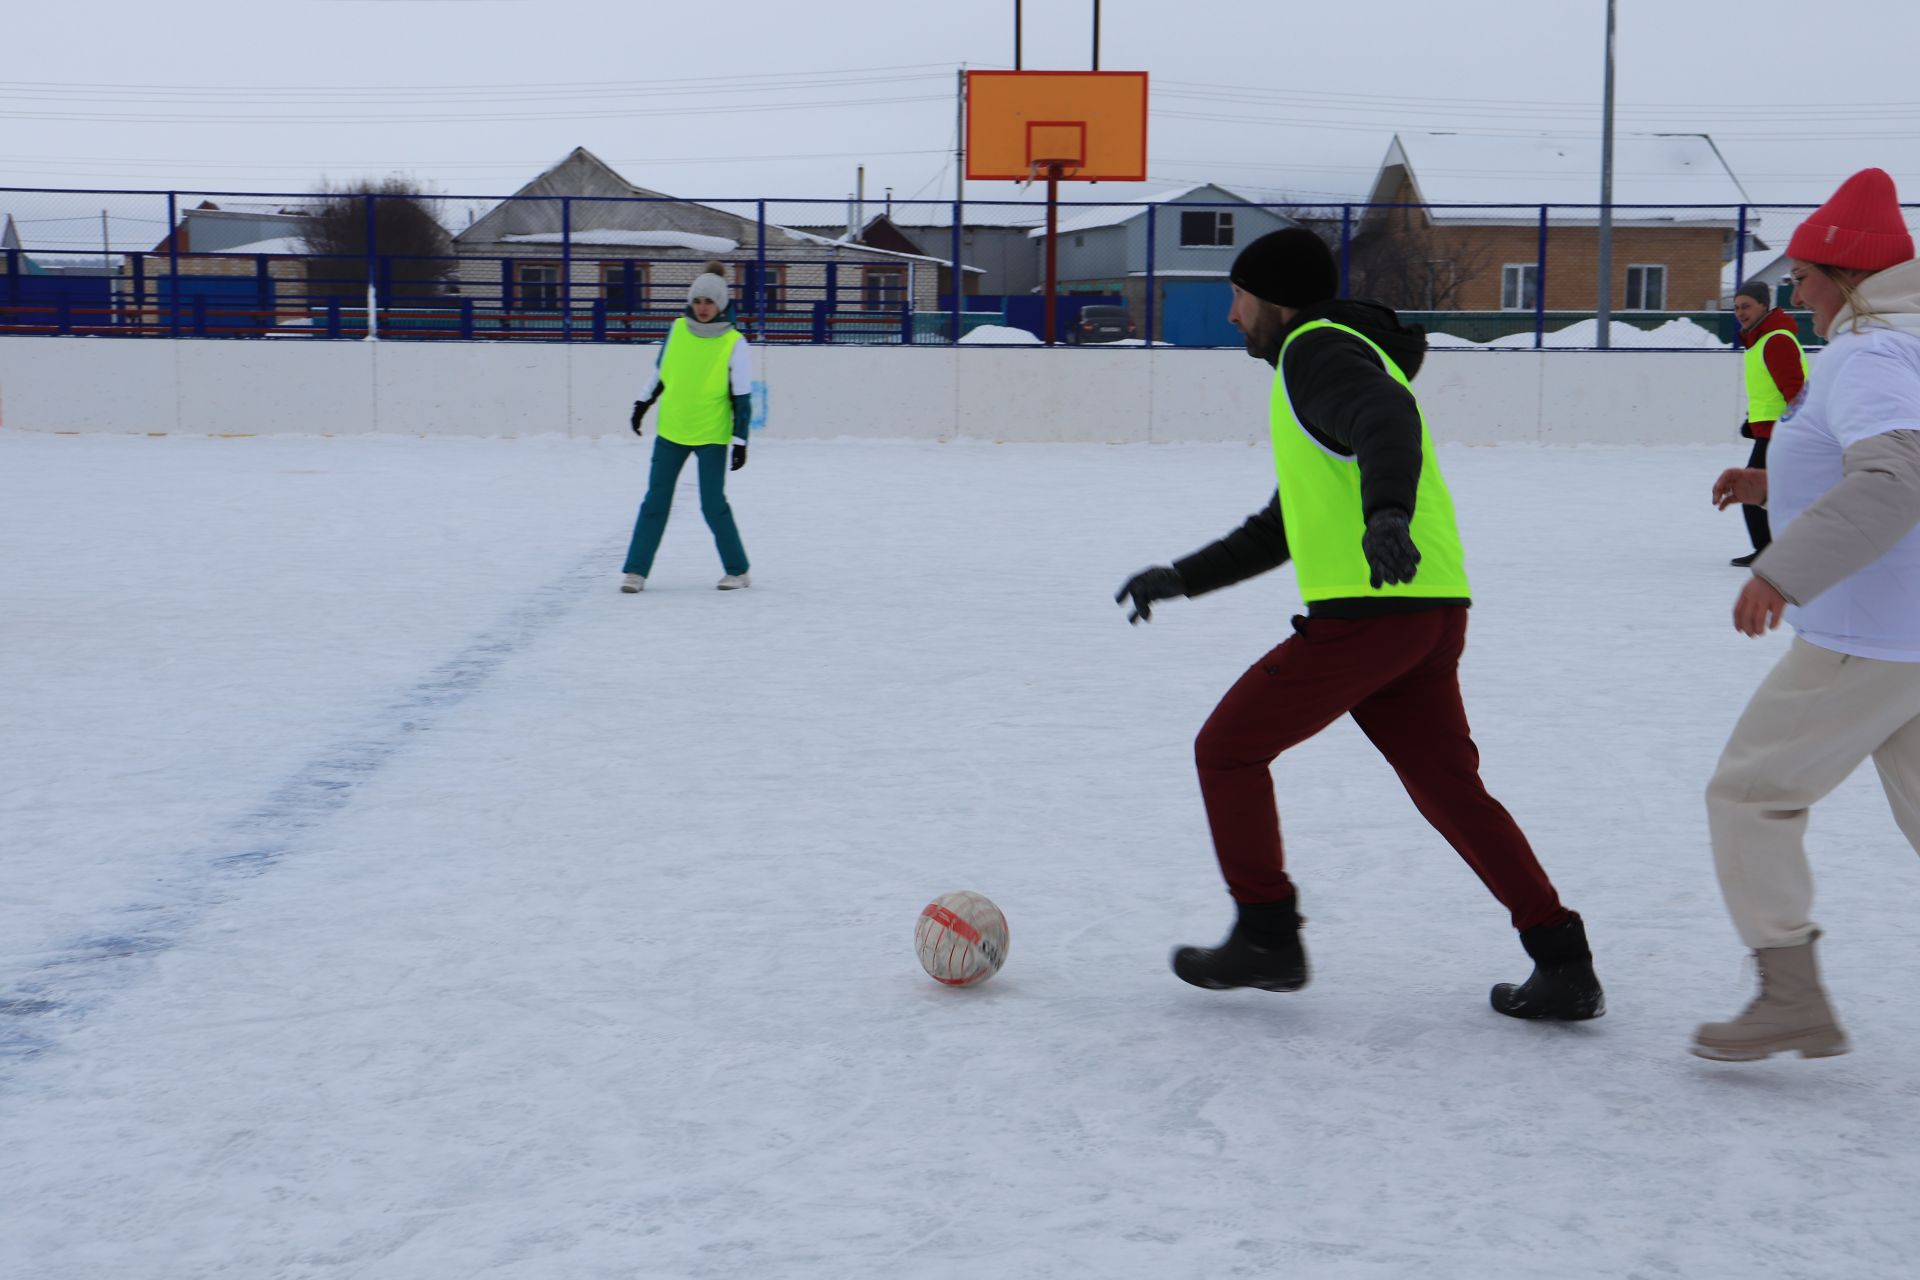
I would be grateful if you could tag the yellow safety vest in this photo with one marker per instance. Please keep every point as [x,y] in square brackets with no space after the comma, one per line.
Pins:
[1764,401]
[1320,505]
[696,407]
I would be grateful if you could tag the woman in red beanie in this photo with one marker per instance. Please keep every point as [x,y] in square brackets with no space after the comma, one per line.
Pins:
[1843,487]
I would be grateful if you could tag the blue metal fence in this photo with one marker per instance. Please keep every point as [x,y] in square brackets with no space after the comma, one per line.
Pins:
[607,269]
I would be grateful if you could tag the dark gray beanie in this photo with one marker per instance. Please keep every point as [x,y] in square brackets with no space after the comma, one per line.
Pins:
[1292,267]
[1757,290]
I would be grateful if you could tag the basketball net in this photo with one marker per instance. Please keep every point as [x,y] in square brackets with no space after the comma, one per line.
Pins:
[1037,169]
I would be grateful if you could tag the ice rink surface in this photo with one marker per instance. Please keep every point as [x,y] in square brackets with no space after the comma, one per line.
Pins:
[382,894]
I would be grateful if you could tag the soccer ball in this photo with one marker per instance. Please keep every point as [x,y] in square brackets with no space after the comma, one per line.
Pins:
[961,938]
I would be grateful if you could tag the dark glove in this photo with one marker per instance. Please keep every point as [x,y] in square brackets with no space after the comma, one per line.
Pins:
[640,408]
[1162,582]
[1388,547]
[739,457]
[1746,431]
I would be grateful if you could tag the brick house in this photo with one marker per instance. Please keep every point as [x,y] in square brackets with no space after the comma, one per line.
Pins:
[1666,257]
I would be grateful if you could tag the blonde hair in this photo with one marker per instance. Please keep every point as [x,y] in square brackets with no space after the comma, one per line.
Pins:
[1858,313]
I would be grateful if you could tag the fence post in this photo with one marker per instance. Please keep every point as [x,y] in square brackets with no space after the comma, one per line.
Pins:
[263,294]
[959,276]
[13,286]
[566,268]
[1740,265]
[140,291]
[199,315]
[1153,240]
[760,272]
[1540,286]
[466,318]
[333,316]
[173,264]
[63,314]
[1346,247]
[373,298]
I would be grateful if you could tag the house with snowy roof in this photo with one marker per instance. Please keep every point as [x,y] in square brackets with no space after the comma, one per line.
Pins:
[582,232]
[1468,211]
[993,238]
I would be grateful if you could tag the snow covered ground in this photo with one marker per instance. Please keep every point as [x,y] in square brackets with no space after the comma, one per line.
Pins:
[382,894]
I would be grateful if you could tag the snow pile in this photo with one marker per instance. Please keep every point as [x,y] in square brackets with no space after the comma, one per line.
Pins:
[997,335]
[1584,333]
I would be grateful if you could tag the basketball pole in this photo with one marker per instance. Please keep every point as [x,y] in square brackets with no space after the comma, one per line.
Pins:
[1053,246]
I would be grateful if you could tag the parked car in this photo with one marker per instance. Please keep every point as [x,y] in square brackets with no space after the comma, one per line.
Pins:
[1102,324]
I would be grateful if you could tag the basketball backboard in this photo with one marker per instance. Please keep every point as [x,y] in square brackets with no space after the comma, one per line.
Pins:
[1093,124]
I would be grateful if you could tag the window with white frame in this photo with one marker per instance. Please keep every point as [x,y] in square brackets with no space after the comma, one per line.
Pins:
[1519,286]
[1206,228]
[537,285]
[884,286]
[1646,288]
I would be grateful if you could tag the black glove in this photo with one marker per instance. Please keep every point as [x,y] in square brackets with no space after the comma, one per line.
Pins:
[739,457]
[1388,547]
[1746,431]
[640,408]
[1162,582]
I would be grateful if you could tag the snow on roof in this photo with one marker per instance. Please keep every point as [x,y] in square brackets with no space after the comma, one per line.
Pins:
[841,241]
[1112,215]
[1648,169]
[631,239]
[289,245]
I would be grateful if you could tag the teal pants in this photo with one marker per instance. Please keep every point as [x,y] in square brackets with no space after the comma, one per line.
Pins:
[668,458]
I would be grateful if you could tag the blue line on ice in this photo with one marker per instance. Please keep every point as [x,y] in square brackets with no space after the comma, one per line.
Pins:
[84,974]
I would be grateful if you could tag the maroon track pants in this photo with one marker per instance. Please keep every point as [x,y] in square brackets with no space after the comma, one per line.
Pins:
[1399,678]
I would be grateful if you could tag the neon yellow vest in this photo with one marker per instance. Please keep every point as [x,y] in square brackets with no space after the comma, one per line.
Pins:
[1320,504]
[697,406]
[1764,401]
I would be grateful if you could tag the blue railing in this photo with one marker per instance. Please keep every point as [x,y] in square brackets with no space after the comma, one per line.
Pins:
[603,269]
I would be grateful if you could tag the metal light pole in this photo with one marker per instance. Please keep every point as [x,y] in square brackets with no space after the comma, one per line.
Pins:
[1603,311]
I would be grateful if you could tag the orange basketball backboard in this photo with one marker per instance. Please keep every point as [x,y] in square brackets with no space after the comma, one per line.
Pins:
[1092,123]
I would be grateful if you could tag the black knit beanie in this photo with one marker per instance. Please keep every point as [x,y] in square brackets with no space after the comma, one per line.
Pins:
[1757,290]
[1292,267]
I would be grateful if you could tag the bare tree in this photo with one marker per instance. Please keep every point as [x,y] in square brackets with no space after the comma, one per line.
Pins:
[388,219]
[1397,257]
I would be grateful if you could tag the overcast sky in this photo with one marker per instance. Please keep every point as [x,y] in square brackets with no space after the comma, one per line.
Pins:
[749,98]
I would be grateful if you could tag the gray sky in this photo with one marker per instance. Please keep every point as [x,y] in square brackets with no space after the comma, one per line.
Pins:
[748,98]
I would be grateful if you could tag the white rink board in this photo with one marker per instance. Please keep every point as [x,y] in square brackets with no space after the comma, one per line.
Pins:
[1017,394]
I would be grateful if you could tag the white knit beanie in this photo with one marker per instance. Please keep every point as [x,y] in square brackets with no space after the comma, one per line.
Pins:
[711,285]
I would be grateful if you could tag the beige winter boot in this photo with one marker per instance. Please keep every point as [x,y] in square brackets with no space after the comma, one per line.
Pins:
[1790,1013]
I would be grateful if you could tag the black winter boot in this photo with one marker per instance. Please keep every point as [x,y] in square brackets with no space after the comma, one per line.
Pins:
[1263,951]
[1562,987]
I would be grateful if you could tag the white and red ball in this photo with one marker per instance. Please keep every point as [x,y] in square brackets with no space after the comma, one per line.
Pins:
[961,938]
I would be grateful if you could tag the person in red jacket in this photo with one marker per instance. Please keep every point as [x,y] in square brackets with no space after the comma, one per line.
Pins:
[1776,370]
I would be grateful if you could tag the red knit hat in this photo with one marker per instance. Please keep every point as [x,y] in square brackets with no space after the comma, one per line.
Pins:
[1860,227]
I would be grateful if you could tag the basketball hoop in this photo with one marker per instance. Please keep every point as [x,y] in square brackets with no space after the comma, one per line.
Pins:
[1038,169]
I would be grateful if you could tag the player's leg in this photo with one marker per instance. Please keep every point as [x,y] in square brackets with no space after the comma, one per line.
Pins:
[651,523]
[719,513]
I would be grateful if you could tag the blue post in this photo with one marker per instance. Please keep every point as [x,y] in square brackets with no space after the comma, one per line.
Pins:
[373,233]
[1740,264]
[1540,287]
[13,287]
[566,268]
[466,318]
[140,290]
[1346,247]
[263,293]
[599,319]
[63,314]
[760,274]
[506,284]
[173,264]
[959,278]
[1153,240]
[199,315]
[333,317]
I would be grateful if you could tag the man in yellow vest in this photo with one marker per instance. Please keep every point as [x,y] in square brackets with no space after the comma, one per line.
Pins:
[1364,514]
[1776,370]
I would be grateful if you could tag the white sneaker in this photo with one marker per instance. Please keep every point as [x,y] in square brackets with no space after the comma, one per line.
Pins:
[733,583]
[633,582]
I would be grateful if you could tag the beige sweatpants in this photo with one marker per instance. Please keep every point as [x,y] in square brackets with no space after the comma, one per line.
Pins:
[1811,722]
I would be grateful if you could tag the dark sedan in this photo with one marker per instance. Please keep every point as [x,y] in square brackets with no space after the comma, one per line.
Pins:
[1102,324]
